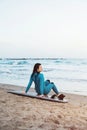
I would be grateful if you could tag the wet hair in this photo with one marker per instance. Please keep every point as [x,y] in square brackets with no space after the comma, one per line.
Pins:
[36,66]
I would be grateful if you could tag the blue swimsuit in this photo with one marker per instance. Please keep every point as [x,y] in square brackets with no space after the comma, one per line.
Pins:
[41,86]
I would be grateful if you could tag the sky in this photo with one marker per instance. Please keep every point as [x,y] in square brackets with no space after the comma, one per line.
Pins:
[43,28]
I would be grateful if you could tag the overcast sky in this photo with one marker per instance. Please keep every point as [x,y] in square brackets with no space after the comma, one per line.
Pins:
[43,28]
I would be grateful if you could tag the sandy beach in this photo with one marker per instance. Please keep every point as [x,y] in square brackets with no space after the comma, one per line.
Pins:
[24,113]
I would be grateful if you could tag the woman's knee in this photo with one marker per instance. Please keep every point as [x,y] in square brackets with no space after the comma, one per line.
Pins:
[47,82]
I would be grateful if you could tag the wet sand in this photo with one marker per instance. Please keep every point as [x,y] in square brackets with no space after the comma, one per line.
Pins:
[24,113]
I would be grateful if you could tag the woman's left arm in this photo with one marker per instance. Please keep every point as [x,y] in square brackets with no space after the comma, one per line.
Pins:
[29,85]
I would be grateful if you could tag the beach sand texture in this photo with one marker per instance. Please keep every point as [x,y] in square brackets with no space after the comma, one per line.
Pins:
[24,113]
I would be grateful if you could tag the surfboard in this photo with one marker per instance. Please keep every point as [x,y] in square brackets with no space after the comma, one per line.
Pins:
[33,95]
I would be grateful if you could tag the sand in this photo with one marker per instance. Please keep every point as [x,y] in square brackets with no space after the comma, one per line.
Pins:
[24,113]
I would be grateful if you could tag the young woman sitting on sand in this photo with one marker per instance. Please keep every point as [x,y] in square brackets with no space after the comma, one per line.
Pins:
[42,87]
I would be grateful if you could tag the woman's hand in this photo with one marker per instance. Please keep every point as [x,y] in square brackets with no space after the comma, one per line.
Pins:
[40,95]
[23,92]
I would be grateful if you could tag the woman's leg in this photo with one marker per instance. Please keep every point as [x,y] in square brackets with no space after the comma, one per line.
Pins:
[55,88]
[50,86]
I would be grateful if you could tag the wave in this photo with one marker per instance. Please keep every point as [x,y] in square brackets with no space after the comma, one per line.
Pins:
[72,61]
[13,62]
[22,62]
[72,80]
[5,71]
[47,70]
[6,62]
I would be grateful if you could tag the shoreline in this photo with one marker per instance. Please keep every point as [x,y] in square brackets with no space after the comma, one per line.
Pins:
[16,87]
[71,97]
[24,113]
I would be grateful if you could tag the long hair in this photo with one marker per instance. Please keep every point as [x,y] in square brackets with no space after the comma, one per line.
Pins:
[36,66]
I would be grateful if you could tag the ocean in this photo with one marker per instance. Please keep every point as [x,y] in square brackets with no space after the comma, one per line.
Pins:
[69,75]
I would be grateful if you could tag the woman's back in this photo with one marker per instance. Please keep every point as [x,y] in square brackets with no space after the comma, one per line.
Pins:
[38,79]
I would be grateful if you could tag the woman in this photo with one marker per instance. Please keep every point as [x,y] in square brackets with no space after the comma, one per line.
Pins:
[42,87]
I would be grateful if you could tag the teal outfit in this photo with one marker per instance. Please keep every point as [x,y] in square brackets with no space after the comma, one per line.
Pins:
[41,86]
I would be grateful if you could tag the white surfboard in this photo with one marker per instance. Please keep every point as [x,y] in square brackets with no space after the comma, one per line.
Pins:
[33,95]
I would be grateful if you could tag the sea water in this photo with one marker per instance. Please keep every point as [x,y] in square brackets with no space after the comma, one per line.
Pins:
[69,75]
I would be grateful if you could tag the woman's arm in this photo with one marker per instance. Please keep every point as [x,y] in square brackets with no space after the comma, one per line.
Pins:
[29,85]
